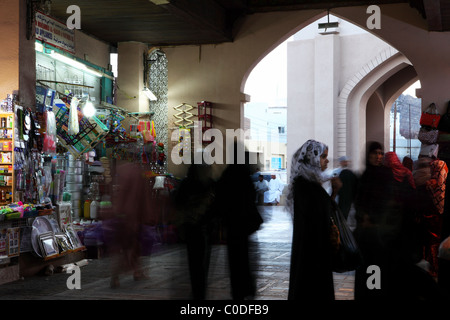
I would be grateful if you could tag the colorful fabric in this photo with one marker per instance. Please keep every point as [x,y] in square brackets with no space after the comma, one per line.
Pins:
[398,169]
[436,185]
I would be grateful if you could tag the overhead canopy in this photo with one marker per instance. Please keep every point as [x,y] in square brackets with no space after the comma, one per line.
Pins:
[182,22]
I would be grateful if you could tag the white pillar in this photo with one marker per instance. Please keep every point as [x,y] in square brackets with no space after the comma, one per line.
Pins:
[326,71]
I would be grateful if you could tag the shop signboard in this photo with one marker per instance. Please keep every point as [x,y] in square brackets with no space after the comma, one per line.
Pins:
[55,33]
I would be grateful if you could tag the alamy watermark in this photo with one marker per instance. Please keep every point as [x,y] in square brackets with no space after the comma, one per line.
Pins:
[213,152]
[74,21]
[374,280]
[374,21]
[74,281]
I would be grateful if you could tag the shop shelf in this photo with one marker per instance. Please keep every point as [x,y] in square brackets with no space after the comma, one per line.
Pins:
[45,212]
[64,253]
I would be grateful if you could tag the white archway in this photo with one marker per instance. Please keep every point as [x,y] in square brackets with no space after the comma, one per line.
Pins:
[356,103]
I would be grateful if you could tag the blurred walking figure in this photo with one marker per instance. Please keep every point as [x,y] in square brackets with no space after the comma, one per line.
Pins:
[373,204]
[261,186]
[193,201]
[311,275]
[403,220]
[235,203]
[275,189]
[133,212]
[347,193]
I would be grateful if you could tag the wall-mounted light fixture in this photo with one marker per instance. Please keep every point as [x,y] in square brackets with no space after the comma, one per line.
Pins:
[88,109]
[333,26]
[150,95]
[74,63]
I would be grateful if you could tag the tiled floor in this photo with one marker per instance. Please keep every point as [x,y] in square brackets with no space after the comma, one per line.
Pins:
[169,277]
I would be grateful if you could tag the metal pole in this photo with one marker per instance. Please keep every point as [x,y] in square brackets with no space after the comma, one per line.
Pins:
[410,137]
[395,125]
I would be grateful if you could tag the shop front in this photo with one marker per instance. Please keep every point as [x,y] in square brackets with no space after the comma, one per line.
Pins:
[59,162]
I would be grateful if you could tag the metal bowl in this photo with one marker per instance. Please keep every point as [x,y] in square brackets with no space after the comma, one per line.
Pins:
[76,164]
[74,178]
[75,170]
[74,186]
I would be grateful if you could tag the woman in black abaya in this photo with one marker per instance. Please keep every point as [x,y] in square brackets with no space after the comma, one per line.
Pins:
[311,276]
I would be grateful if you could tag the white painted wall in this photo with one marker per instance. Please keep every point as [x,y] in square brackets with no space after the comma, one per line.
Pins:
[320,67]
[218,73]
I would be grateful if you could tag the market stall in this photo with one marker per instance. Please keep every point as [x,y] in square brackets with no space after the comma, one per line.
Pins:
[59,160]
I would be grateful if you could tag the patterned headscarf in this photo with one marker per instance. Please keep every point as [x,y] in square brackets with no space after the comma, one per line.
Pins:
[436,185]
[398,169]
[306,163]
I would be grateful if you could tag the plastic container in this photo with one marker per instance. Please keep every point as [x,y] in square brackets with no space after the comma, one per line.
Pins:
[87,209]
[94,209]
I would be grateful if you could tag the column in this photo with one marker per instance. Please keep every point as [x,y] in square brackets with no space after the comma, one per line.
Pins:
[326,72]
[17,57]
[131,77]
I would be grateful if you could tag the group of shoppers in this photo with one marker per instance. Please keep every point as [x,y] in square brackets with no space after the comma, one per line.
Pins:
[398,209]
[399,214]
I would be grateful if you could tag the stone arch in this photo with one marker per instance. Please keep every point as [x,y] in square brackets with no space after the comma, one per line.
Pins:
[356,103]
[342,114]
[276,44]
[344,143]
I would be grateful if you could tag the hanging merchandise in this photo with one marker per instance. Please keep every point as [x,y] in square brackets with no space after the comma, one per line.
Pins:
[147,133]
[428,135]
[153,132]
[73,128]
[91,130]
[429,150]
[430,117]
[183,116]
[50,134]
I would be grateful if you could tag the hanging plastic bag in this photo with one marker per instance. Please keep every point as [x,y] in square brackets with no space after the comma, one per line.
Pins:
[50,134]
[51,123]
[73,127]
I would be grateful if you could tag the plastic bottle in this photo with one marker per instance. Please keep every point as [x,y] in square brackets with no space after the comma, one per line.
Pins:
[94,209]
[87,209]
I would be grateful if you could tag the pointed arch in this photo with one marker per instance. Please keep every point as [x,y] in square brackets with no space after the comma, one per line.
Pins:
[342,114]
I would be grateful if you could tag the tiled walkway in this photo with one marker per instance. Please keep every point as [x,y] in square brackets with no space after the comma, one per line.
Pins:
[169,277]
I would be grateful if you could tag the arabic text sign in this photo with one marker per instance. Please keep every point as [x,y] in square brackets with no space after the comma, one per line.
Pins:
[54,32]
